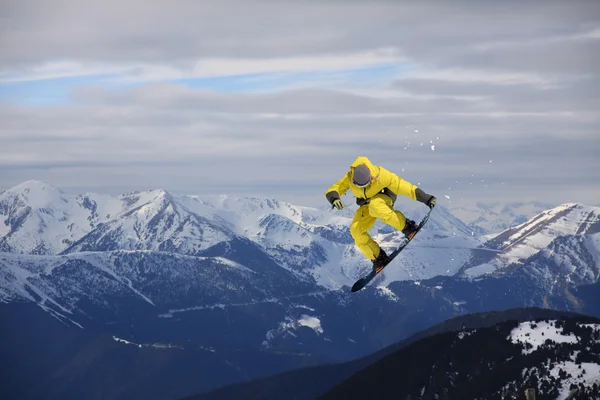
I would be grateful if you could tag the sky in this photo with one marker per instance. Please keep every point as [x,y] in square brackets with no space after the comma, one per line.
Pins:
[471,101]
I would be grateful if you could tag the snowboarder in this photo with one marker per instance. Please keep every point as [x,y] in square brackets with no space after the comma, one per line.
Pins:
[376,190]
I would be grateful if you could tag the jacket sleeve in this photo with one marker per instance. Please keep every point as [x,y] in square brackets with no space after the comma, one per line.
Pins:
[338,189]
[396,184]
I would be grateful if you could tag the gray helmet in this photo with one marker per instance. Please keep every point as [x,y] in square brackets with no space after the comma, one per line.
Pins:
[361,176]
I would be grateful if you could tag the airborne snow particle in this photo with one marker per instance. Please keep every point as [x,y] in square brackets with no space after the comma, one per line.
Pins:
[448,197]
[433,147]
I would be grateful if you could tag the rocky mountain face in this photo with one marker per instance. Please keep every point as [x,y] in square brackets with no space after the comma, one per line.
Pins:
[257,276]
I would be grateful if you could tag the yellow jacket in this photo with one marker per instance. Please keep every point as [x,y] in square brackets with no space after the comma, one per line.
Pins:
[383,181]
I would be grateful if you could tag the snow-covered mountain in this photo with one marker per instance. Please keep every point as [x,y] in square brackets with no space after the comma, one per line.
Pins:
[258,274]
[150,280]
[566,237]
[38,218]
[153,221]
[314,243]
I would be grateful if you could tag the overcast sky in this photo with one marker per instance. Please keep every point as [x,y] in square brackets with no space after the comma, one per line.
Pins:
[472,101]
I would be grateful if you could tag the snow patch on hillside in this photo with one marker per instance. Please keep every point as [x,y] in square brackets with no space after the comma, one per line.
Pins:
[584,373]
[387,293]
[311,322]
[286,328]
[536,333]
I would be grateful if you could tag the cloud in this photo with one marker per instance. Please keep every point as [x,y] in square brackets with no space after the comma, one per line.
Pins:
[178,137]
[181,34]
[568,56]
[194,96]
[578,95]
[205,68]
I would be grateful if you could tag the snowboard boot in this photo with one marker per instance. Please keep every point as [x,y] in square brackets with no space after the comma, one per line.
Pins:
[381,261]
[410,229]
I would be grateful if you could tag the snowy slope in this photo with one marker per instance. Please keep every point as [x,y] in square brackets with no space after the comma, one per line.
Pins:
[156,279]
[577,256]
[526,240]
[569,261]
[302,240]
[535,234]
[245,216]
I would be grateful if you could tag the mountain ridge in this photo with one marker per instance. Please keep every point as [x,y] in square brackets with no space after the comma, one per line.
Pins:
[301,239]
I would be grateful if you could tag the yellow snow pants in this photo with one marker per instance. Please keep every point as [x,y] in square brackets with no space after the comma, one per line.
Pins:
[380,206]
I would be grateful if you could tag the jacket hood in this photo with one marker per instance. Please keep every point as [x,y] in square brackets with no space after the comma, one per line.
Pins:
[364,160]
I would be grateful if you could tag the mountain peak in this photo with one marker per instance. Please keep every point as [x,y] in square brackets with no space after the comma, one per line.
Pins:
[562,207]
[140,198]
[36,194]
[531,237]
[567,218]
[34,185]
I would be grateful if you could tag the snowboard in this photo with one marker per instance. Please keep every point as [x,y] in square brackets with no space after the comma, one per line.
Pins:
[362,282]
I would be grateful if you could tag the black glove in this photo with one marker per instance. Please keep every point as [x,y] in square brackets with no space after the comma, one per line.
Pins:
[431,202]
[427,199]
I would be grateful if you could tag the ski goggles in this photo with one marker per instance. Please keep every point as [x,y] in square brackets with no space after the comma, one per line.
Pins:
[362,185]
